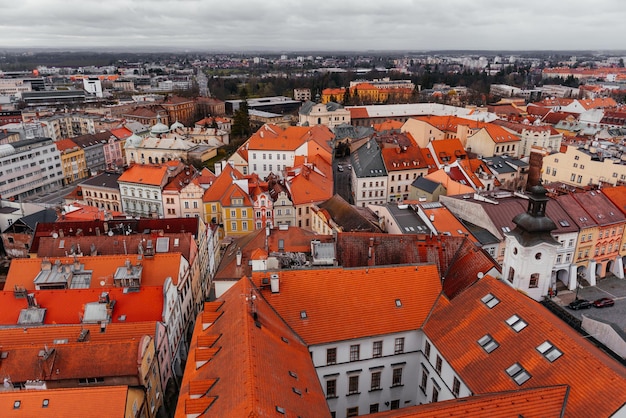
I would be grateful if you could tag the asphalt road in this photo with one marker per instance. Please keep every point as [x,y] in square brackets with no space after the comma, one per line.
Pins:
[611,287]
[341,179]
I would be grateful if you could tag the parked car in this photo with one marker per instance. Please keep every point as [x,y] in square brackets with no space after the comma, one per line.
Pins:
[339,167]
[349,166]
[580,304]
[603,302]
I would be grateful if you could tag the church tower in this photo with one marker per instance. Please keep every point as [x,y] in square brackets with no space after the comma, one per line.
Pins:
[530,250]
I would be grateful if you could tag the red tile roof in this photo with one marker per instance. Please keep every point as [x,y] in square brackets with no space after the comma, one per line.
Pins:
[310,186]
[617,195]
[248,363]
[358,113]
[334,315]
[541,402]
[448,148]
[398,159]
[51,334]
[500,135]
[156,269]
[67,306]
[68,403]
[450,123]
[219,186]
[73,360]
[455,327]
[121,133]
[66,144]
[148,174]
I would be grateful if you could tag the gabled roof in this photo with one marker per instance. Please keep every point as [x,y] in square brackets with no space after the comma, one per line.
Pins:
[449,123]
[56,333]
[349,217]
[617,195]
[235,192]
[43,216]
[71,403]
[219,186]
[155,269]
[180,242]
[448,150]
[244,361]
[599,207]
[67,306]
[452,187]
[147,174]
[121,133]
[106,180]
[500,135]
[74,360]
[273,138]
[406,158]
[456,326]
[422,183]
[315,305]
[367,161]
[291,240]
[541,402]
[66,144]
[310,186]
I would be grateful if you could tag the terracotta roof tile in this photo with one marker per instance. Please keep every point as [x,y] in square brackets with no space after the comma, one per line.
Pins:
[320,294]
[541,402]
[155,269]
[241,379]
[500,135]
[145,174]
[219,186]
[455,327]
[66,144]
[67,306]
[71,403]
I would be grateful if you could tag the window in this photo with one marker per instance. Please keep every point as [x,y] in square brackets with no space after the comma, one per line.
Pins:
[534,281]
[233,213]
[511,275]
[435,397]
[331,388]
[233,226]
[375,381]
[488,343]
[516,323]
[549,351]
[396,379]
[427,350]
[456,386]
[395,404]
[377,349]
[352,412]
[424,379]
[355,352]
[490,300]
[331,355]
[518,373]
[353,385]
[373,408]
[399,345]
[438,364]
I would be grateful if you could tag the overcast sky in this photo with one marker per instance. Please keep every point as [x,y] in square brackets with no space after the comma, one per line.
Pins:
[298,25]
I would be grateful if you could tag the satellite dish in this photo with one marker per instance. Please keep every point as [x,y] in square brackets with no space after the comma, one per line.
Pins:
[55,235]
[102,282]
[110,233]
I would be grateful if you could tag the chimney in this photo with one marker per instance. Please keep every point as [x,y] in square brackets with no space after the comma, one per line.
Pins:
[274,283]
[239,255]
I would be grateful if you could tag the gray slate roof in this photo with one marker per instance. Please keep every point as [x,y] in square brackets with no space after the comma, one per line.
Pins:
[367,161]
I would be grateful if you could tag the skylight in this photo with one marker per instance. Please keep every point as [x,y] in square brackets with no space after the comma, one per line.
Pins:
[518,373]
[549,351]
[303,315]
[398,303]
[490,300]
[516,323]
[488,343]
[563,222]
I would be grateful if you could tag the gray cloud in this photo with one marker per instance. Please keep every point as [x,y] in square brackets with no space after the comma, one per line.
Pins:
[321,25]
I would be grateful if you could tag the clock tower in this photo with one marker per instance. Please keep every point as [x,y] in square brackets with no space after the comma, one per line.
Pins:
[530,249]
